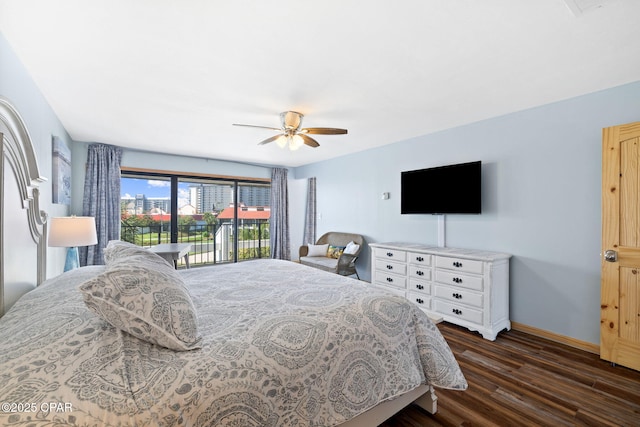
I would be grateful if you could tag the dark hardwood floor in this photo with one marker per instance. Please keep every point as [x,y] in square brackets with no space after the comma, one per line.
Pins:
[523,380]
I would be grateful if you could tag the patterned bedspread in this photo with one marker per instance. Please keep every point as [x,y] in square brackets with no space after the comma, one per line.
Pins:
[283,345]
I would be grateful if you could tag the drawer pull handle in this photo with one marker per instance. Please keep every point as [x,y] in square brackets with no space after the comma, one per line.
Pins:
[457,264]
[419,300]
[456,295]
[420,287]
[457,311]
[419,259]
[420,273]
[389,267]
[457,280]
[389,279]
[390,254]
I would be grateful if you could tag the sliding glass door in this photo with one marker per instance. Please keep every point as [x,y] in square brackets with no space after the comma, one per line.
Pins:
[224,220]
[200,203]
[252,221]
[145,210]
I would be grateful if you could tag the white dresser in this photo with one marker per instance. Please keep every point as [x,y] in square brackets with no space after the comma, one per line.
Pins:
[467,287]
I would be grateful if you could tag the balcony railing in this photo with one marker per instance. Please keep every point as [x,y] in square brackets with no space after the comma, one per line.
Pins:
[210,243]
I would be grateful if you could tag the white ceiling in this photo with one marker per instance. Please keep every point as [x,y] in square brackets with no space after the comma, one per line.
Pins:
[172,76]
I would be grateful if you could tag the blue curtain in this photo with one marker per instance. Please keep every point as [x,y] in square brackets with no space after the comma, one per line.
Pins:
[279,222]
[309,237]
[102,198]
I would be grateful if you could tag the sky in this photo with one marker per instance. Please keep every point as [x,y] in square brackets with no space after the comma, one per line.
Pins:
[129,187]
[149,187]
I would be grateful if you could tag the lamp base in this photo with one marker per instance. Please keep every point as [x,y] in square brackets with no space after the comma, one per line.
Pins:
[73,259]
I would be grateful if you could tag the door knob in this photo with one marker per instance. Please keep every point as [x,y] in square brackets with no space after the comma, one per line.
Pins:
[610,255]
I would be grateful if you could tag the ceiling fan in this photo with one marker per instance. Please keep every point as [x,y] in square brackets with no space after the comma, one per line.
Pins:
[292,135]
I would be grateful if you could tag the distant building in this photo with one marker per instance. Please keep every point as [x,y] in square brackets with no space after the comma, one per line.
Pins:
[128,205]
[187,210]
[202,198]
[156,211]
[210,197]
[162,203]
[215,197]
[254,195]
[140,204]
[245,213]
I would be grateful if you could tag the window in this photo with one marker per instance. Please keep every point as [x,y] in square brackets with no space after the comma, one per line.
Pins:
[225,220]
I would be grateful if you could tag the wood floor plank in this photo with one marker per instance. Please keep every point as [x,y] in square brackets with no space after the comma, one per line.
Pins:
[595,399]
[622,389]
[524,380]
[530,410]
[512,382]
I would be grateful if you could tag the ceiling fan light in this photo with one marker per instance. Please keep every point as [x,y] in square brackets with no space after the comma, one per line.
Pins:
[282,141]
[296,142]
[291,119]
[291,135]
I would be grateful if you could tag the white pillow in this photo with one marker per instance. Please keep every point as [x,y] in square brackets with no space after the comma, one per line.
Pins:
[351,248]
[318,250]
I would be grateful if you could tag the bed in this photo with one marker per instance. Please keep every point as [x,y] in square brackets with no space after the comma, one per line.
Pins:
[257,343]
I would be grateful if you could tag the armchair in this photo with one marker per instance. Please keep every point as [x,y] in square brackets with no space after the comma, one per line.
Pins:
[325,259]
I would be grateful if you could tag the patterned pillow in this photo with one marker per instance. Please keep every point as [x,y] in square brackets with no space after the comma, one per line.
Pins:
[144,296]
[119,250]
[335,251]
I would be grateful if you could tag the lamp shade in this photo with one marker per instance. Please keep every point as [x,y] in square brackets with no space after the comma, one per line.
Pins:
[296,142]
[71,231]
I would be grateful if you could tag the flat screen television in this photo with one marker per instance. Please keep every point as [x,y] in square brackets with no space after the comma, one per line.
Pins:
[450,189]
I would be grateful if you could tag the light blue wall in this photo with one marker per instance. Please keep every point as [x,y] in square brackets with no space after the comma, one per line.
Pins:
[541,201]
[17,86]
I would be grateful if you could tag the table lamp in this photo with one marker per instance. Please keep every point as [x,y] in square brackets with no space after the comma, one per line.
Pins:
[71,232]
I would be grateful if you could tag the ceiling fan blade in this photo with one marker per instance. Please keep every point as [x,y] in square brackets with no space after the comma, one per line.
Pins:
[324,131]
[268,140]
[309,141]
[254,126]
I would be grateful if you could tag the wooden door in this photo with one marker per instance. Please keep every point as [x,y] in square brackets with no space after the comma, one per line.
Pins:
[620,281]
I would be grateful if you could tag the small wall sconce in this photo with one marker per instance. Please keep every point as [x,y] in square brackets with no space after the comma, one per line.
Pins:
[385,196]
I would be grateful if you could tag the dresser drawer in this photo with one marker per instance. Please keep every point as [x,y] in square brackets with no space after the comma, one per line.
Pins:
[461,296]
[458,311]
[459,264]
[419,286]
[391,254]
[459,280]
[384,278]
[391,267]
[419,299]
[418,258]
[419,272]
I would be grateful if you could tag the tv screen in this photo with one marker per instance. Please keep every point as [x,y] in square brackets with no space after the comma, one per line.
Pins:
[451,189]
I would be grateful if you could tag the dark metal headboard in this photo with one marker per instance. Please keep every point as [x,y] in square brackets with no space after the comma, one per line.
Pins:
[20,207]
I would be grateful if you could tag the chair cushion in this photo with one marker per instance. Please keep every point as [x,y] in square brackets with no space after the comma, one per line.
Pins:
[323,262]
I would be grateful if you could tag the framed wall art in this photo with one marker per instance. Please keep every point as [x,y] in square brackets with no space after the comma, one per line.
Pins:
[61,171]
